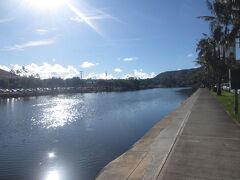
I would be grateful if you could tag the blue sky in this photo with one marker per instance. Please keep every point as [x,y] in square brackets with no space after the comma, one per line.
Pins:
[134,38]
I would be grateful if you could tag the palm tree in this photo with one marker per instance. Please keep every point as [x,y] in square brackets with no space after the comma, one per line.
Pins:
[220,25]
[234,6]
[215,54]
[206,49]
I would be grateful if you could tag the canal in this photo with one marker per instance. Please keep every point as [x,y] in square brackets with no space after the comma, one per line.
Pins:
[72,137]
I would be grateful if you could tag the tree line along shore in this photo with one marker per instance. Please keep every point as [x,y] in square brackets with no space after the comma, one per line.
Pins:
[32,86]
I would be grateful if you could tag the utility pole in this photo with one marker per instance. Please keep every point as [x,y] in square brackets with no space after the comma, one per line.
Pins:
[235,74]
[81,75]
[106,75]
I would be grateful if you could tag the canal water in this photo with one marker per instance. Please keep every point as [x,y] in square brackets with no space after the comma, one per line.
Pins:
[72,137]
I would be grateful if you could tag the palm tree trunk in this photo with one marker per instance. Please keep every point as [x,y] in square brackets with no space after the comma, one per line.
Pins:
[219,77]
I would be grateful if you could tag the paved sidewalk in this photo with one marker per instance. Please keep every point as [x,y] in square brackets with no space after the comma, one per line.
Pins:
[208,147]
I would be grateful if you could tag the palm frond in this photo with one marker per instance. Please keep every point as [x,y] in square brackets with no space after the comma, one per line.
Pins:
[209,5]
[207,18]
[213,25]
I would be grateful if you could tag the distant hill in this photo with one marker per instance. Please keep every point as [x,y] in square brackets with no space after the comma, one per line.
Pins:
[181,78]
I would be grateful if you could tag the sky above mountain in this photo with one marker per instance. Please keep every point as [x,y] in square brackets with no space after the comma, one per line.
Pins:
[139,38]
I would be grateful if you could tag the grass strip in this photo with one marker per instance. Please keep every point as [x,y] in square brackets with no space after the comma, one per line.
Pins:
[227,100]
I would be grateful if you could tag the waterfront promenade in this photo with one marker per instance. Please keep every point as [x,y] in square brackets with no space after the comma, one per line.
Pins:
[197,141]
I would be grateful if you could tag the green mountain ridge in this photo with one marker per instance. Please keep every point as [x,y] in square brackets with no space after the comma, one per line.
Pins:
[179,78]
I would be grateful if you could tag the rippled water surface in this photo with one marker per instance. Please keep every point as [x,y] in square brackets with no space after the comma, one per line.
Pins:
[72,137]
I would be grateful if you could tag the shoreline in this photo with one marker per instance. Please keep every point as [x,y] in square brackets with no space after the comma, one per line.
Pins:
[55,92]
[146,157]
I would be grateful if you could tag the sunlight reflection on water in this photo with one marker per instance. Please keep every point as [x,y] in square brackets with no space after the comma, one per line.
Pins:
[53,175]
[68,137]
[59,112]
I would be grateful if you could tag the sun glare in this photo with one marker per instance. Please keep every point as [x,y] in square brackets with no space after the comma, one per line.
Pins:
[53,5]
[45,4]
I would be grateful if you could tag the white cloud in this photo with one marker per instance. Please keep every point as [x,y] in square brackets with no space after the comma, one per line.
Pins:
[42,31]
[139,74]
[94,75]
[46,70]
[94,17]
[6,20]
[117,70]
[5,68]
[91,76]
[76,19]
[190,55]
[109,76]
[87,64]
[30,44]
[93,14]
[129,59]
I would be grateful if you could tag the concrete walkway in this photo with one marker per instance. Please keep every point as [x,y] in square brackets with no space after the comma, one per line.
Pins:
[196,141]
[208,147]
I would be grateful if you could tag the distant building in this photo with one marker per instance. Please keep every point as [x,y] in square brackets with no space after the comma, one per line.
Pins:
[7,75]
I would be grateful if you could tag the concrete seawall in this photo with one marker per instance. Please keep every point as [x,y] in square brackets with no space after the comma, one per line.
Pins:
[148,155]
